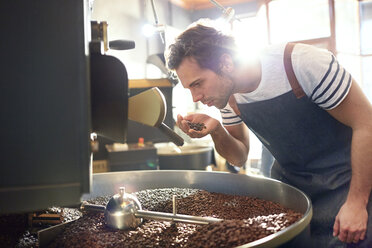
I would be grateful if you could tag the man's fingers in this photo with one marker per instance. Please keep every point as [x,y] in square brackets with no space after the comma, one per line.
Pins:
[195,134]
[342,235]
[350,227]
[356,237]
[363,235]
[189,117]
[182,124]
[350,237]
[336,228]
[179,120]
[346,235]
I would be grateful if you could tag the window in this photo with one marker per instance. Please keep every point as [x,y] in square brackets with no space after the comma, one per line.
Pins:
[251,33]
[295,20]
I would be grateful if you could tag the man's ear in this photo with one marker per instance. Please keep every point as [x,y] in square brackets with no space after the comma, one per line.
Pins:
[226,63]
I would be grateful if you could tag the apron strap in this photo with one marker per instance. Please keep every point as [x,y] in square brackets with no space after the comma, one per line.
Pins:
[287,59]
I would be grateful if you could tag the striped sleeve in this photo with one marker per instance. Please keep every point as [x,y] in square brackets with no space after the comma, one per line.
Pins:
[229,118]
[333,87]
[329,82]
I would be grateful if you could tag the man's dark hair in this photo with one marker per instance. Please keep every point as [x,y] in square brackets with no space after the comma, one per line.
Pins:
[204,44]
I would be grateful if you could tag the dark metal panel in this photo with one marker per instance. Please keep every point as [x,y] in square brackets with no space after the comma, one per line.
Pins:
[44,103]
[109,97]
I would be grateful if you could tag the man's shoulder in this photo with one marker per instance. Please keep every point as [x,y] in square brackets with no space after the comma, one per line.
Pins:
[304,50]
[274,49]
[299,49]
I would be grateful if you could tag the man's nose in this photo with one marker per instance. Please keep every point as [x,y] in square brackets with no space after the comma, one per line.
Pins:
[196,97]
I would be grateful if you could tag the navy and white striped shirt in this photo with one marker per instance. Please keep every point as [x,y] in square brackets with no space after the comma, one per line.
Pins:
[320,75]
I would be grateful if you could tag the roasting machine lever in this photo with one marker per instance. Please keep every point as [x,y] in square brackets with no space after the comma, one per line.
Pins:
[124,211]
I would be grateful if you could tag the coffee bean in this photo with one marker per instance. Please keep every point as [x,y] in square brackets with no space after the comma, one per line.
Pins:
[196,126]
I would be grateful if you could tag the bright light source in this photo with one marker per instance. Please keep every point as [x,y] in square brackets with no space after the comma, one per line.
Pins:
[93,136]
[148,30]
[222,25]
[251,36]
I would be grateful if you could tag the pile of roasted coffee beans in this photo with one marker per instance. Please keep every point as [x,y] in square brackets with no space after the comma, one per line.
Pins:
[15,229]
[196,125]
[231,233]
[245,219]
[14,233]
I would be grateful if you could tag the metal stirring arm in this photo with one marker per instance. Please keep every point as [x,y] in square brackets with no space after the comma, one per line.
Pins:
[154,215]
[124,211]
[85,206]
[175,217]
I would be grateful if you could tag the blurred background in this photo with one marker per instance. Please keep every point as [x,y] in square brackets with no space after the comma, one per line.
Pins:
[341,26]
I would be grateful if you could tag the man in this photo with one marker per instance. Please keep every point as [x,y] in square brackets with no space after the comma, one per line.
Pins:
[307,111]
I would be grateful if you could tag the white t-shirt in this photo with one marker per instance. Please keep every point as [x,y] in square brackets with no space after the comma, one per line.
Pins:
[321,77]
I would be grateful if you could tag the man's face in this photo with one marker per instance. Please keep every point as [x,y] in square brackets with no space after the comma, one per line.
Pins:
[205,85]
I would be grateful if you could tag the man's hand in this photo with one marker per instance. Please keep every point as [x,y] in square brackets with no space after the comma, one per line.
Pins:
[351,222]
[210,124]
[231,142]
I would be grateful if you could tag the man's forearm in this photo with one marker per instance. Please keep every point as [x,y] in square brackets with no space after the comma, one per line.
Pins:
[229,147]
[361,161]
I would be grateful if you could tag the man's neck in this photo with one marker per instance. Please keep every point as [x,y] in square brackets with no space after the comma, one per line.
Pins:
[247,77]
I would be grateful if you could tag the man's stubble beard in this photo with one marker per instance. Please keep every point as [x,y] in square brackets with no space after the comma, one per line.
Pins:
[229,91]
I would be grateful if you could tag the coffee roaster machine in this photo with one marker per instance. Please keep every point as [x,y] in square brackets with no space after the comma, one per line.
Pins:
[58,87]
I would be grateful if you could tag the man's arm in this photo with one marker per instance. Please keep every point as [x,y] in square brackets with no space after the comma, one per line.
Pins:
[356,111]
[232,143]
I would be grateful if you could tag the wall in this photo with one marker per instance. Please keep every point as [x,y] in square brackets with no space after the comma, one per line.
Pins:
[126,19]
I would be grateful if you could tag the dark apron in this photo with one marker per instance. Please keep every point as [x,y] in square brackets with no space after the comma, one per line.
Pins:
[312,152]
